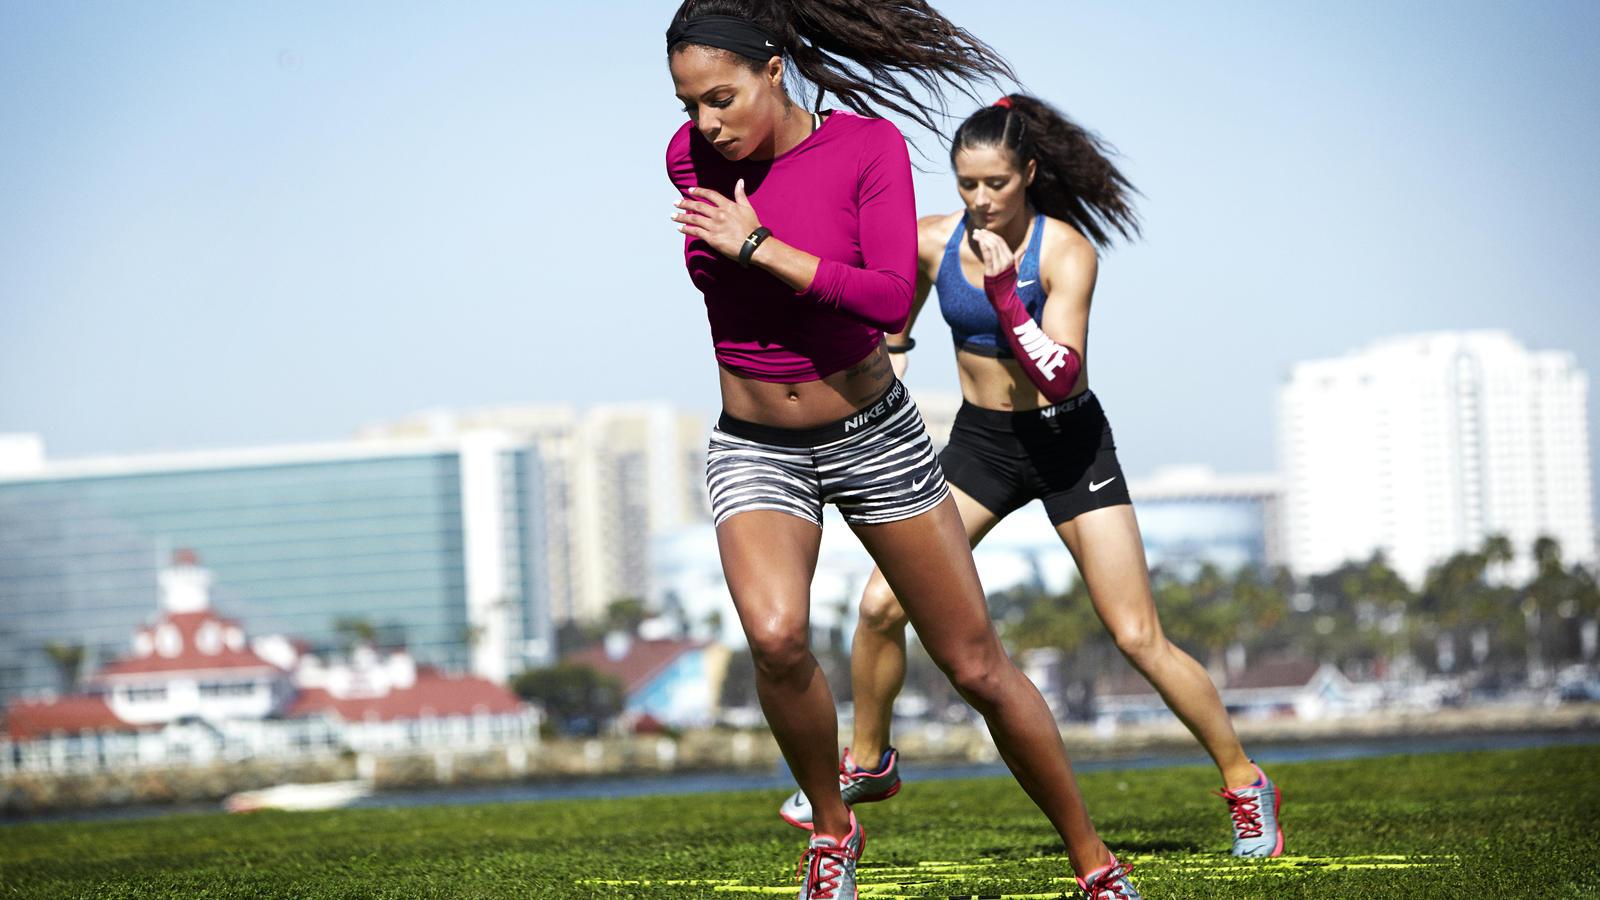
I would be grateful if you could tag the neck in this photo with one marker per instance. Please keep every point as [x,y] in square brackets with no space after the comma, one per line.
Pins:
[794,127]
[1016,230]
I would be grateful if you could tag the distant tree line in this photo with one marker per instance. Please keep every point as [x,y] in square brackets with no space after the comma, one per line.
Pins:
[1467,619]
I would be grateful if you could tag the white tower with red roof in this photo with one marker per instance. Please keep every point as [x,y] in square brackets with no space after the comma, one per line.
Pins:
[191,663]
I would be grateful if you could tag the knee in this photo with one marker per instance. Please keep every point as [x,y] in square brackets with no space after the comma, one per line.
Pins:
[981,679]
[1139,640]
[779,647]
[880,609]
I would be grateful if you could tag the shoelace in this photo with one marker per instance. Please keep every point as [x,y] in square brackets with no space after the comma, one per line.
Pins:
[822,867]
[1246,813]
[846,774]
[1108,884]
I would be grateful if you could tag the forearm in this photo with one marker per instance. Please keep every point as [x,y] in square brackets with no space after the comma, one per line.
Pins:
[871,296]
[1052,367]
[879,297]
[795,268]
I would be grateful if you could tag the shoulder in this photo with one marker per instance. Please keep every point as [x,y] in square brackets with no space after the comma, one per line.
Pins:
[879,129]
[680,161]
[876,138]
[1066,256]
[1063,244]
[933,232]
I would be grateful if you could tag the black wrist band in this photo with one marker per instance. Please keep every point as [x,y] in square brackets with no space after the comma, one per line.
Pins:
[751,243]
[906,345]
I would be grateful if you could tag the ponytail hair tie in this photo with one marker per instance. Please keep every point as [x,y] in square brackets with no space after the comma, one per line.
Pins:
[1004,102]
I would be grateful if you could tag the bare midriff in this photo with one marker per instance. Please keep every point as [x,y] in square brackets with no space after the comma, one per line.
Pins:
[807,404]
[996,383]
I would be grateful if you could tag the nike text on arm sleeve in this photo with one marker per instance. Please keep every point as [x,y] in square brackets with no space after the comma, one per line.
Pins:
[1052,367]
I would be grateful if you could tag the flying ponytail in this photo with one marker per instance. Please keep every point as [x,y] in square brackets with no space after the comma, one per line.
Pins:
[869,54]
[1075,180]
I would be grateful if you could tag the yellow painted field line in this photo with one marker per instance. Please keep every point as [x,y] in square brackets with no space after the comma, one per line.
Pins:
[882,881]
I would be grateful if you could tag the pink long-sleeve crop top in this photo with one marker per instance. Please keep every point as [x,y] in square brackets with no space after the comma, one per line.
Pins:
[843,195]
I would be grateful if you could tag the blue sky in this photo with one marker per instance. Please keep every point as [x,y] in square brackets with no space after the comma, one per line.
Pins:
[242,223]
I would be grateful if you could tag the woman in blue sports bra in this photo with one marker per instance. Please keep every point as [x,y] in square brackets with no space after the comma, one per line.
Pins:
[1015,270]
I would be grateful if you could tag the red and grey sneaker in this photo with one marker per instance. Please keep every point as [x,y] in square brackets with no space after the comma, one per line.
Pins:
[828,869]
[1110,882]
[855,786]
[1256,829]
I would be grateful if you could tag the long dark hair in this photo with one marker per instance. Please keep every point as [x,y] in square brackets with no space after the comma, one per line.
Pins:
[1075,181]
[896,55]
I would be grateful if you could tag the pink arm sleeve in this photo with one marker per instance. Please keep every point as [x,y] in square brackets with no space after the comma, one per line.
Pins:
[1052,367]
[879,292]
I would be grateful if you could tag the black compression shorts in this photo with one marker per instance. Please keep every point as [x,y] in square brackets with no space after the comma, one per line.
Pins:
[1062,454]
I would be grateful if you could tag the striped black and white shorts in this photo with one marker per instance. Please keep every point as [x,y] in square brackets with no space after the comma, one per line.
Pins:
[877,465]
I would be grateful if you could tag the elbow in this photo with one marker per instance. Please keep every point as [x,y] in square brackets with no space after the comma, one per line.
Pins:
[1065,377]
[1057,391]
[895,320]
[896,308]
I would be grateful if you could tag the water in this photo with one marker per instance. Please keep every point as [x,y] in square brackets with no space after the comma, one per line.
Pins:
[779,780]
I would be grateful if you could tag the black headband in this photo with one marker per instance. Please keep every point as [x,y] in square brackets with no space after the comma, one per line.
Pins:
[740,36]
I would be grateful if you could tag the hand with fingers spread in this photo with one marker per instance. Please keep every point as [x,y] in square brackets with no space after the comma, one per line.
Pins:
[713,218]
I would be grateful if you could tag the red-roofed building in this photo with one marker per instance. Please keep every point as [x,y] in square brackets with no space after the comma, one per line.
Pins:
[674,682]
[195,687]
[29,719]
[1284,687]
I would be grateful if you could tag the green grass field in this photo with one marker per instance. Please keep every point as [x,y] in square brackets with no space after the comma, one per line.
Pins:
[1481,825]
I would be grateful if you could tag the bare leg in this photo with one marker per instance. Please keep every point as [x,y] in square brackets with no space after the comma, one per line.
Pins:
[878,650]
[927,562]
[768,559]
[1106,544]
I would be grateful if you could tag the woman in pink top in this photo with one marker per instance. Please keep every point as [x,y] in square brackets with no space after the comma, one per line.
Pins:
[800,230]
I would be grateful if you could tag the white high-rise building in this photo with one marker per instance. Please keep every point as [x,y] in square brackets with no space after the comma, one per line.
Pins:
[1422,446]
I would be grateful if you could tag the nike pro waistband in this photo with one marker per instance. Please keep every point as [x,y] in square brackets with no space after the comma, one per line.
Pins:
[1010,418]
[862,420]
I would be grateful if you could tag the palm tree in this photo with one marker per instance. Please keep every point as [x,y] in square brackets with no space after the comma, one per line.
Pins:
[1452,600]
[355,631]
[68,660]
[1497,549]
[625,613]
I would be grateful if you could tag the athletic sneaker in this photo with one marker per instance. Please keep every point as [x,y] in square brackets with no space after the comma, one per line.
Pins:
[1110,882]
[828,869]
[855,786]
[1256,829]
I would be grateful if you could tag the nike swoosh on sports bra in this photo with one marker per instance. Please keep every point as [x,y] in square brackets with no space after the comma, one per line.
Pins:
[973,324]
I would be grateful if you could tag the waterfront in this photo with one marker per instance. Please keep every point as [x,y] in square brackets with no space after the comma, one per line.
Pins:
[776,777]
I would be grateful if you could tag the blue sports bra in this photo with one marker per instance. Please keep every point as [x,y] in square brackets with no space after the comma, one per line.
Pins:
[973,324]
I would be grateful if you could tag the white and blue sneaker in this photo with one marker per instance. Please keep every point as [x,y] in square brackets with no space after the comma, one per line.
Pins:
[1110,882]
[828,869]
[855,786]
[1257,832]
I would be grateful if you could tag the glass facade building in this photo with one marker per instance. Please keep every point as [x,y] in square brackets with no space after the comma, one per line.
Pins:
[301,540]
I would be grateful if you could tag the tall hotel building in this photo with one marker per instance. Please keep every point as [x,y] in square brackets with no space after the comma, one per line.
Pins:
[1422,446]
